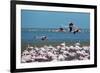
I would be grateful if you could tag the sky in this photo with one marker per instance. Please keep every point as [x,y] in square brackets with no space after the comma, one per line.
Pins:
[53,19]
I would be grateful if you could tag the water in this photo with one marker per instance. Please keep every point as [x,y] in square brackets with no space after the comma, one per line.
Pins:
[33,36]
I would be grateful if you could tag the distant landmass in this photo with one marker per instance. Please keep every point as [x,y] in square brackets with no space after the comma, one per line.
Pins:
[51,29]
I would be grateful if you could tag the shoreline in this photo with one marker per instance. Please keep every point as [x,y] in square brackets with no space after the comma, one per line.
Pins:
[53,43]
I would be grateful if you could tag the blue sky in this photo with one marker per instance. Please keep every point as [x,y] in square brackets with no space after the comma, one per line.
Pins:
[49,19]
